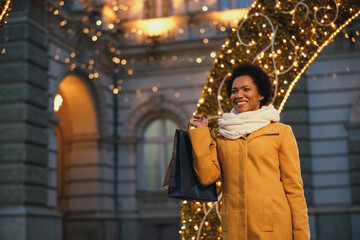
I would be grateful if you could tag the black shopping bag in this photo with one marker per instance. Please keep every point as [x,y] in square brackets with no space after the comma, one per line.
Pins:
[181,181]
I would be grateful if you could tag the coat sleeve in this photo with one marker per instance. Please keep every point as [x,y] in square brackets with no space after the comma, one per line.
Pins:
[206,163]
[293,185]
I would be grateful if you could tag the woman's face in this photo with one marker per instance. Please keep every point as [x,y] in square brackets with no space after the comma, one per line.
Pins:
[244,94]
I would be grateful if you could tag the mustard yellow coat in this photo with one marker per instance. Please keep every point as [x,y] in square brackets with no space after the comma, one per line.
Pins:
[263,197]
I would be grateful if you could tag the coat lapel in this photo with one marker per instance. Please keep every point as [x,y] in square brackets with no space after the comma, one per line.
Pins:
[271,129]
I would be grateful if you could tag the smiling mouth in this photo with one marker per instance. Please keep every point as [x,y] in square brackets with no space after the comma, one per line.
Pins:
[241,103]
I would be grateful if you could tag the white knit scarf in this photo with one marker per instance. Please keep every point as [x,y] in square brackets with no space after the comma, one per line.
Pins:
[233,125]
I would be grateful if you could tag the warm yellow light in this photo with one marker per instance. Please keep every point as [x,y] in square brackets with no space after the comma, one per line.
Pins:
[116,60]
[228,16]
[156,26]
[108,14]
[58,100]
[63,23]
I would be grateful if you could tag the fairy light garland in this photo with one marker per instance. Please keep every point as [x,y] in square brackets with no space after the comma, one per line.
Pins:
[92,29]
[5,7]
[283,37]
[292,85]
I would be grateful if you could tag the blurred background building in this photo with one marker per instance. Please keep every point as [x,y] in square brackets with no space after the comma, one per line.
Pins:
[91,92]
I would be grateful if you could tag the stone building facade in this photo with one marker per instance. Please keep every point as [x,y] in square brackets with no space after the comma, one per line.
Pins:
[93,168]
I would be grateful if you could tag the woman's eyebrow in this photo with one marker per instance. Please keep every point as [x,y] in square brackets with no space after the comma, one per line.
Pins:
[241,86]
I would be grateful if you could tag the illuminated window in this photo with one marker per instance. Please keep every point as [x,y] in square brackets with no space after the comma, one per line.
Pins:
[158,141]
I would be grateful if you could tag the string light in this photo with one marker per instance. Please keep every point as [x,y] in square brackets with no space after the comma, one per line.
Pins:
[5,7]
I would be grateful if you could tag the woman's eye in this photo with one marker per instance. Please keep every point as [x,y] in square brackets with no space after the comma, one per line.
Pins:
[246,89]
[233,91]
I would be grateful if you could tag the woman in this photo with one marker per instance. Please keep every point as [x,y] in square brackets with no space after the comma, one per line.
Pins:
[257,157]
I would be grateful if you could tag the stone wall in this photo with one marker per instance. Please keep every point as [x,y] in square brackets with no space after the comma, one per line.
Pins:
[26,212]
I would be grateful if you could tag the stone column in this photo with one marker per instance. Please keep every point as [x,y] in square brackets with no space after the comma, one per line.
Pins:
[354,164]
[24,209]
[353,128]
[354,158]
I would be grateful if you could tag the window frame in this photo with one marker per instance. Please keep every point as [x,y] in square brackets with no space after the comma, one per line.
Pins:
[163,140]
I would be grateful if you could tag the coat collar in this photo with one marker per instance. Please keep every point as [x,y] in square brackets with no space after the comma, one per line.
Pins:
[271,129]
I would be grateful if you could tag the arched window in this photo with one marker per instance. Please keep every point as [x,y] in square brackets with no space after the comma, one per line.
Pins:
[157,149]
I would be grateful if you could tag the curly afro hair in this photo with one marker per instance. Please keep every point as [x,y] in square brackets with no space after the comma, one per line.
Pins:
[260,78]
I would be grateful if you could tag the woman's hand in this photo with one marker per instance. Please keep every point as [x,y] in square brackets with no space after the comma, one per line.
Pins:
[198,121]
